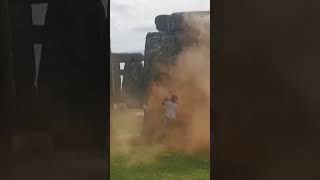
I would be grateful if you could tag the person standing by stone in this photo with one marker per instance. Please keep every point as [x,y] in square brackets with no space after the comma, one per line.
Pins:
[170,107]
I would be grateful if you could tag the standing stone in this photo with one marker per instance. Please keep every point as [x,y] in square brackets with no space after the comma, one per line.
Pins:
[115,79]
[161,50]
[132,86]
[74,73]
[7,90]
[176,22]
[24,63]
[175,33]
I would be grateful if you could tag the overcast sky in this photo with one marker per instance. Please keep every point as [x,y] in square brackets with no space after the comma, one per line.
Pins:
[131,20]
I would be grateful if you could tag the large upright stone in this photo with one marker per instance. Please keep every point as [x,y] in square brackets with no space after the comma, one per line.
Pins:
[176,31]
[161,50]
[24,63]
[74,72]
[177,21]
[132,88]
[7,91]
[115,79]
[132,85]
[124,57]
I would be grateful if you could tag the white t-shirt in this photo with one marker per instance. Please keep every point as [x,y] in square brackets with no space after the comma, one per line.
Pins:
[170,109]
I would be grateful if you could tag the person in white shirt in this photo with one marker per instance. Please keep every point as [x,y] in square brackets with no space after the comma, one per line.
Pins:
[170,114]
[170,109]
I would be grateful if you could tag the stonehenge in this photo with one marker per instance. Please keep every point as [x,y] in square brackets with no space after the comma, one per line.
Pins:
[161,51]
[132,85]
[60,106]
[177,21]
[73,77]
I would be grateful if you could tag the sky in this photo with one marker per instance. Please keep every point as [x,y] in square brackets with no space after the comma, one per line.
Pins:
[131,20]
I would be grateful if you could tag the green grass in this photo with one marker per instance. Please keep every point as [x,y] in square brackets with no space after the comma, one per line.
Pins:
[169,166]
[146,162]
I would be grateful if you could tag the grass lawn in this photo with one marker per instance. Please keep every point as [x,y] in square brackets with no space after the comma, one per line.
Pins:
[150,162]
[169,166]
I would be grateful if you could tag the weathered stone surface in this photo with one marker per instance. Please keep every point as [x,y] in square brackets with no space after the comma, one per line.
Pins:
[73,76]
[7,91]
[132,77]
[124,57]
[162,47]
[162,23]
[24,63]
[115,80]
[161,50]
[75,102]
[132,86]
[160,53]
[176,21]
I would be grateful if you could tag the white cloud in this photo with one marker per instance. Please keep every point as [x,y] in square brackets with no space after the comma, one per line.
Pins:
[131,20]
